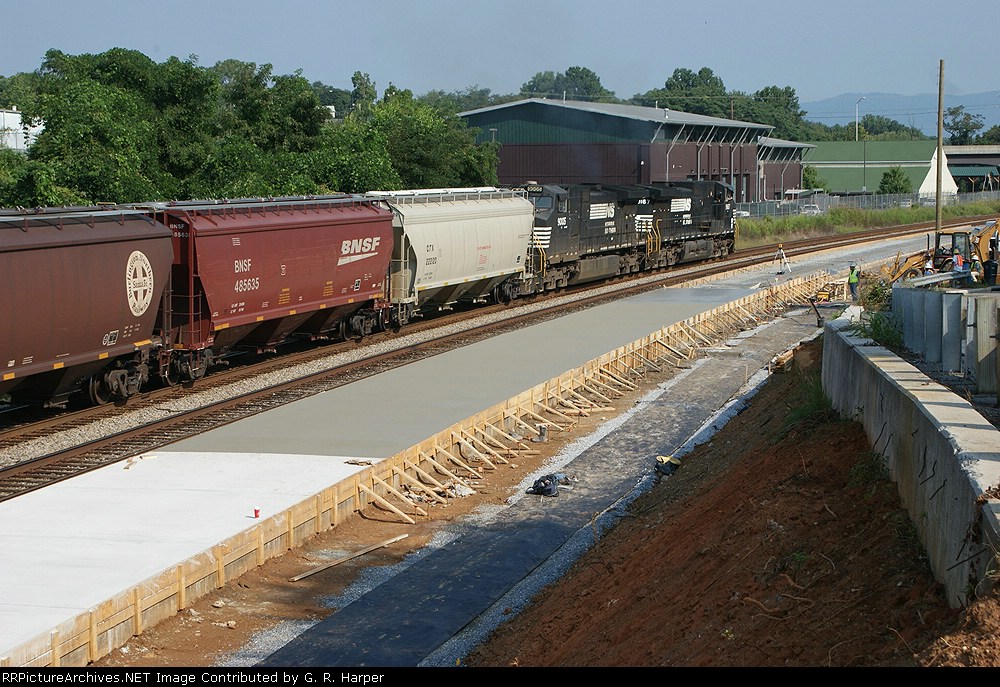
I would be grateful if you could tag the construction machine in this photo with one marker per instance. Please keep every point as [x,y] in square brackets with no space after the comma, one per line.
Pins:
[974,244]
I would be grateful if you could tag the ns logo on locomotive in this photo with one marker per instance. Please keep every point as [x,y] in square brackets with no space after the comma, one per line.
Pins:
[206,279]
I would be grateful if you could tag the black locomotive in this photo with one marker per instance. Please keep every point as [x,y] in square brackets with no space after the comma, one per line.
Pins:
[588,232]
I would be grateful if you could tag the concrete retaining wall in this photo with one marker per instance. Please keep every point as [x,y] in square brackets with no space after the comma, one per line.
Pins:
[942,454]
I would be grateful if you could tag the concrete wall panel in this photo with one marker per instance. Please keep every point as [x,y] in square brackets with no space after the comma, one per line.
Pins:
[933,316]
[952,331]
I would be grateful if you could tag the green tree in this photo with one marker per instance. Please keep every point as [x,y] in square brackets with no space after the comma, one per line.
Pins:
[879,128]
[961,125]
[121,128]
[294,116]
[895,181]
[364,95]
[264,118]
[811,179]
[353,157]
[328,95]
[176,99]
[776,106]
[700,92]
[580,83]
[991,136]
[541,85]
[19,91]
[33,184]
[471,98]
[186,100]
[236,168]
[576,83]
[427,149]
[98,139]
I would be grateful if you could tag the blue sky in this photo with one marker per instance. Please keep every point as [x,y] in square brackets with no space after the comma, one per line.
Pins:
[819,49]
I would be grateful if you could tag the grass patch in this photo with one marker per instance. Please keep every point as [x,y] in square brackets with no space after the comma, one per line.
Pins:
[870,471]
[875,294]
[756,231]
[883,327]
[809,407]
[907,537]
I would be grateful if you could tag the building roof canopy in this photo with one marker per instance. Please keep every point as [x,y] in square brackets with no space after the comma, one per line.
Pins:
[667,125]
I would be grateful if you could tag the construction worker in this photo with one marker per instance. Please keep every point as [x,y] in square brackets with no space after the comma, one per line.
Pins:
[976,270]
[853,277]
[958,265]
[929,264]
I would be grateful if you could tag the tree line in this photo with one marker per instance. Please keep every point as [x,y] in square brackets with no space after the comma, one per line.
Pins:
[121,128]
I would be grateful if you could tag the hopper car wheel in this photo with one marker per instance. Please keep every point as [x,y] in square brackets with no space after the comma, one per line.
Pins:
[172,377]
[98,391]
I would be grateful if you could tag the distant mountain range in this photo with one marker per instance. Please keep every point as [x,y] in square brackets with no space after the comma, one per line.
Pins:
[919,111]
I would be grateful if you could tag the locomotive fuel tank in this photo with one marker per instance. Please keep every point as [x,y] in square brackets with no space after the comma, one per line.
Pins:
[253,273]
[82,289]
[455,245]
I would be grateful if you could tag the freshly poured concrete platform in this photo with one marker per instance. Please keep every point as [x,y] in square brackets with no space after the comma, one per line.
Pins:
[68,548]
[382,415]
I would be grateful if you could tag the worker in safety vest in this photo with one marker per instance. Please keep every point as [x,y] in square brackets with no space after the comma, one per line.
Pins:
[958,265]
[853,277]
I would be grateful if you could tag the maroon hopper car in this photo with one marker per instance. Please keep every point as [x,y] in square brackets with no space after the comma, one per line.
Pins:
[252,274]
[82,290]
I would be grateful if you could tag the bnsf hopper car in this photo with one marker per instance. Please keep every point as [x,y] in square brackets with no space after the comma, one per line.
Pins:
[81,293]
[106,301]
[250,275]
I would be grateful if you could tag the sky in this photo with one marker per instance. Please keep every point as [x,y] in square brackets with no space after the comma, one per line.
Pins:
[821,50]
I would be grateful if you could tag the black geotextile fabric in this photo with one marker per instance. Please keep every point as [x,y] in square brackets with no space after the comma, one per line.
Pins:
[405,619]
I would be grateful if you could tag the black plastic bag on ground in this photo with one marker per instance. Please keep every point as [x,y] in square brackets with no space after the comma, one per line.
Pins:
[545,486]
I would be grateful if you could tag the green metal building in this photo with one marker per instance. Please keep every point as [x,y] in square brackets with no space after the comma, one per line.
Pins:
[855,167]
[563,142]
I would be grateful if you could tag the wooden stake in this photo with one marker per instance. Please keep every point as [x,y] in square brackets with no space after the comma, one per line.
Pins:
[387,504]
[347,558]
[417,484]
[395,492]
[426,475]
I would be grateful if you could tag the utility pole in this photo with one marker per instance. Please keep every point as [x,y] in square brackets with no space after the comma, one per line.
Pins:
[940,150]
[856,119]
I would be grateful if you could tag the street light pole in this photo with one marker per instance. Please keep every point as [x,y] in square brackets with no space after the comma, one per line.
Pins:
[856,120]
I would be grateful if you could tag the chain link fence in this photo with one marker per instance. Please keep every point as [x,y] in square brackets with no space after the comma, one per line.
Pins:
[820,203]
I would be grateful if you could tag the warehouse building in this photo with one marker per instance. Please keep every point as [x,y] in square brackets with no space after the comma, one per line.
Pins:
[564,142]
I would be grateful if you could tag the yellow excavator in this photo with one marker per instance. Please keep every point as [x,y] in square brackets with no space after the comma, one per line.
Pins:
[975,244]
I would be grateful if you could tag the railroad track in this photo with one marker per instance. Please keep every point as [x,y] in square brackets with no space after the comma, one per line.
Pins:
[123,436]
